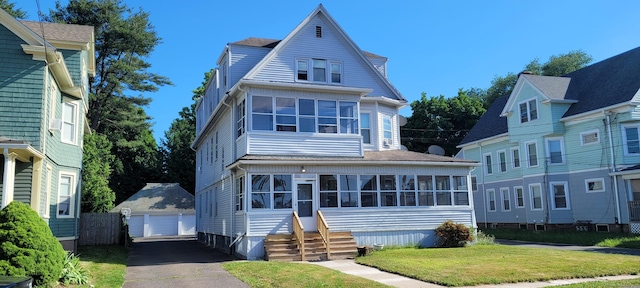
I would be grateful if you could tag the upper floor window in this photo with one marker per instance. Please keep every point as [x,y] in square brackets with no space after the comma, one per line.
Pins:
[322,70]
[240,118]
[319,31]
[387,130]
[528,111]
[590,137]
[365,128]
[69,119]
[515,157]
[488,166]
[532,154]
[555,151]
[502,156]
[631,141]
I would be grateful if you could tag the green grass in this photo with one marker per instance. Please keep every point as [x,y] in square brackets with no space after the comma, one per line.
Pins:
[604,239]
[279,274]
[495,264]
[604,284]
[106,265]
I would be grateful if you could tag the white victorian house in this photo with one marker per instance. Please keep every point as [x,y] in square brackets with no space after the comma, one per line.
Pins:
[299,138]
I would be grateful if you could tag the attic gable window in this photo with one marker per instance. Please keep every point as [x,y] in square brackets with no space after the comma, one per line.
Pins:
[318,31]
[322,70]
[528,111]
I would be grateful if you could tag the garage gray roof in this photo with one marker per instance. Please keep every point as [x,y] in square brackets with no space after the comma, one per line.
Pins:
[159,198]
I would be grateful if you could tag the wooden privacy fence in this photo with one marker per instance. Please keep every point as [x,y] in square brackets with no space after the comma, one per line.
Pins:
[100,229]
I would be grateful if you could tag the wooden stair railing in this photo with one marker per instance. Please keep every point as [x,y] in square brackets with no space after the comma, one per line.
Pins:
[323,229]
[298,232]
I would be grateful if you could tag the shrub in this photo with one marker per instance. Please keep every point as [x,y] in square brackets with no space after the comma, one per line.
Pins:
[484,239]
[28,247]
[453,234]
[72,272]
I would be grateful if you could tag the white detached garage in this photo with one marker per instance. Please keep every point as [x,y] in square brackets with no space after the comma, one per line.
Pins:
[160,209]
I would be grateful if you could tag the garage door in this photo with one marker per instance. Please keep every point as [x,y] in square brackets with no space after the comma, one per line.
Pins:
[136,226]
[162,225]
[188,225]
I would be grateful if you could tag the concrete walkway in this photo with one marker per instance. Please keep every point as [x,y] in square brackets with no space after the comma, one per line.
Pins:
[351,267]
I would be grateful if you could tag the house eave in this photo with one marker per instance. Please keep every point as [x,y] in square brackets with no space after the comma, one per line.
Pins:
[340,162]
[301,87]
[22,150]
[55,62]
[619,107]
[488,139]
[386,100]
[559,101]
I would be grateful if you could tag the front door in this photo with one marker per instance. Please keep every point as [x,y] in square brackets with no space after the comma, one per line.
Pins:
[306,206]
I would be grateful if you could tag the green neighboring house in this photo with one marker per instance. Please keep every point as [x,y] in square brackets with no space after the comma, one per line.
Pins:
[44,72]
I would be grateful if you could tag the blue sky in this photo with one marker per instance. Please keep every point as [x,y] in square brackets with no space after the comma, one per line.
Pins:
[435,47]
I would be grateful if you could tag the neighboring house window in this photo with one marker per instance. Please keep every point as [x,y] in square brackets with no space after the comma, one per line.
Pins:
[532,154]
[488,166]
[65,195]
[240,194]
[491,200]
[555,151]
[328,191]
[519,193]
[506,199]
[590,137]
[408,190]
[286,114]
[241,115]
[348,117]
[528,111]
[262,113]
[460,190]
[631,140]
[365,128]
[502,156]
[69,120]
[387,130]
[388,195]
[560,195]
[515,157]
[425,191]
[47,192]
[536,196]
[319,70]
[303,70]
[594,185]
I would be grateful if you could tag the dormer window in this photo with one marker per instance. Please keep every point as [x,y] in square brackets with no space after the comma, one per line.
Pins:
[322,70]
[528,111]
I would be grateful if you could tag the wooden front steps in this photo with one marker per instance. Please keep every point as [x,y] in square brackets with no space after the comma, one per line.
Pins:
[283,247]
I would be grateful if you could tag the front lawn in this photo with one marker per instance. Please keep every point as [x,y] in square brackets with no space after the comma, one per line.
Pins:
[603,239]
[495,264]
[105,265]
[279,274]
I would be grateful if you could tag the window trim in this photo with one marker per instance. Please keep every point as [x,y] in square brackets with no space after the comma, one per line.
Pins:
[515,151]
[562,150]
[389,141]
[565,185]
[368,128]
[241,116]
[586,185]
[582,134]
[328,72]
[72,184]
[74,124]
[487,165]
[495,204]
[625,141]
[515,194]
[531,196]
[527,102]
[502,161]
[526,145]
[505,200]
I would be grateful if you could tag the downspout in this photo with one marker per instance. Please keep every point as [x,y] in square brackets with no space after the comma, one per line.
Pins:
[613,166]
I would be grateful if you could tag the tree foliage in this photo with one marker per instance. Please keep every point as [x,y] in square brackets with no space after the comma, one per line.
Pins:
[28,248]
[180,159]
[10,8]
[441,121]
[124,39]
[557,65]
[96,194]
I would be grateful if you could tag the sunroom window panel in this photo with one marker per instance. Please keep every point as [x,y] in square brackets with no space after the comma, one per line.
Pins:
[349,126]
[348,190]
[368,188]
[327,125]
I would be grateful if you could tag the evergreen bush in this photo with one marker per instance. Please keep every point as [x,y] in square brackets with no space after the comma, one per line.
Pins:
[453,234]
[28,247]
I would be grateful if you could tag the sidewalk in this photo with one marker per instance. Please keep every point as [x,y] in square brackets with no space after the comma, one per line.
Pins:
[349,266]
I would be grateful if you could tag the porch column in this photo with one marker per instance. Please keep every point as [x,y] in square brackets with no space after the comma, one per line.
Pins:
[8,178]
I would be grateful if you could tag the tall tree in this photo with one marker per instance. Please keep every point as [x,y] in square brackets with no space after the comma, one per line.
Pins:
[441,121]
[124,38]
[9,7]
[96,194]
[557,65]
[180,159]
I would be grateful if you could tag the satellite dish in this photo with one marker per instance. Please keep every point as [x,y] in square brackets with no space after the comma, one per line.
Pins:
[435,150]
[402,120]
[402,147]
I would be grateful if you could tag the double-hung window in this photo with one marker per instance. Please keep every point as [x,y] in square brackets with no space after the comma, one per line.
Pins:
[506,199]
[528,111]
[65,195]
[535,191]
[388,195]
[328,191]
[307,115]
[519,193]
[387,129]
[488,166]
[560,195]
[515,157]
[240,193]
[555,151]
[303,70]
[491,200]
[348,117]
[631,140]
[319,70]
[240,118]
[365,128]
[408,194]
[532,154]
[502,156]
[286,114]
[327,117]
[262,113]
[69,121]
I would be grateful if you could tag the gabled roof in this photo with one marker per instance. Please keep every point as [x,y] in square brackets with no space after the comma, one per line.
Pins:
[609,82]
[349,43]
[552,87]
[271,43]
[159,198]
[61,32]
[490,124]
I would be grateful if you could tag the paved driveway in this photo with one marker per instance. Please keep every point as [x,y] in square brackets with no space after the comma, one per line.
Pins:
[176,262]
